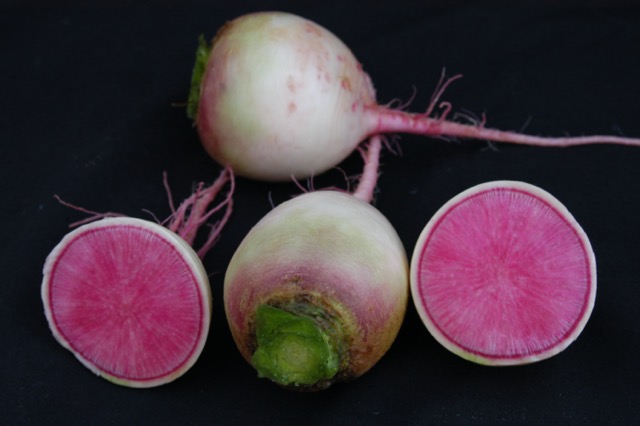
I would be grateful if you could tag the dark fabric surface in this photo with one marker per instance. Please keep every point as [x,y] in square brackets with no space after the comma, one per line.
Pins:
[89,112]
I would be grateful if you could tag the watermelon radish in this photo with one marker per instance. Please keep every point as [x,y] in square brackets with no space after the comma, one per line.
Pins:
[130,298]
[276,95]
[317,291]
[504,275]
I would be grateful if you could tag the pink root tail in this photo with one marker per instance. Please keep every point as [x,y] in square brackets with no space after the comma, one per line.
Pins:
[369,179]
[391,121]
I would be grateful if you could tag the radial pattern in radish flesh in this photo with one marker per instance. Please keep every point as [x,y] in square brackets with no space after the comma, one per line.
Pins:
[503,274]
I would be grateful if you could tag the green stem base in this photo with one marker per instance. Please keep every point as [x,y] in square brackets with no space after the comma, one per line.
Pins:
[293,350]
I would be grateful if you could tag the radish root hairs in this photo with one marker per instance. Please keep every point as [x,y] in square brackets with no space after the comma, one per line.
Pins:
[94,215]
[191,214]
[367,181]
[187,219]
[389,120]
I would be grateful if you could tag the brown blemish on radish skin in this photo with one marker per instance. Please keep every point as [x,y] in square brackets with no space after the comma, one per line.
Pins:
[345,83]
[311,28]
[291,84]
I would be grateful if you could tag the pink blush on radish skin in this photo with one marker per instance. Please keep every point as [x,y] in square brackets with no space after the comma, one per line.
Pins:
[503,274]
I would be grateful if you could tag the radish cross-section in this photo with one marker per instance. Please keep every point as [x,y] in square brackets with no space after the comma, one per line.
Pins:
[503,274]
[130,299]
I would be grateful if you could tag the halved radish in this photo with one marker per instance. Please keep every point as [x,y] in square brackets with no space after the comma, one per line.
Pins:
[129,298]
[503,274]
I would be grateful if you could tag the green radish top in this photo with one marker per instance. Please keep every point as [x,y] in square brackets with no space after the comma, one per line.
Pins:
[202,56]
[293,349]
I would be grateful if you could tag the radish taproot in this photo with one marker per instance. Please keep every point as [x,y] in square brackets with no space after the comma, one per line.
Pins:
[130,298]
[317,291]
[503,274]
[277,96]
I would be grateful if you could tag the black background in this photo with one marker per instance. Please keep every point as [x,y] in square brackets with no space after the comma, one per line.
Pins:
[88,98]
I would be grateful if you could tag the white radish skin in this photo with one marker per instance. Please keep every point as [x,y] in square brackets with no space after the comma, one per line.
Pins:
[503,274]
[282,96]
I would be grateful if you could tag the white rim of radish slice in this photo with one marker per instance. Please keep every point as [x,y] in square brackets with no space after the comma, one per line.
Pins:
[477,357]
[182,249]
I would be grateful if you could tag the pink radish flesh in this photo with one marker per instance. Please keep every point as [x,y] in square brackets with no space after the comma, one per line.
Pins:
[277,96]
[503,274]
[130,299]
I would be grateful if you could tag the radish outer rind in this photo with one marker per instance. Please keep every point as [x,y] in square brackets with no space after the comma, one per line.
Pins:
[331,255]
[431,296]
[187,256]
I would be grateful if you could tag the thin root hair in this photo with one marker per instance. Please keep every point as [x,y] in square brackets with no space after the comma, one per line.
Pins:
[216,229]
[392,144]
[94,215]
[397,104]
[347,179]
[153,216]
[618,130]
[491,146]
[442,85]
[310,187]
[301,187]
[165,182]
[446,107]
[471,118]
[526,124]
[270,199]
[194,211]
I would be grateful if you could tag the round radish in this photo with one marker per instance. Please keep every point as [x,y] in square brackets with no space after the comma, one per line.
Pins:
[316,292]
[130,298]
[277,96]
[503,274]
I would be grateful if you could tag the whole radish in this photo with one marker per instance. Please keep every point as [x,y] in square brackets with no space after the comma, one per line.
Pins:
[277,96]
[130,298]
[316,292]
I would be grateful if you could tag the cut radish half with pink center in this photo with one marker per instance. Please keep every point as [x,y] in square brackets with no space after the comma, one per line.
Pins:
[503,274]
[130,299]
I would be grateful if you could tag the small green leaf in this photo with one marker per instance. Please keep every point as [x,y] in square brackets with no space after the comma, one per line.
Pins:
[202,56]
